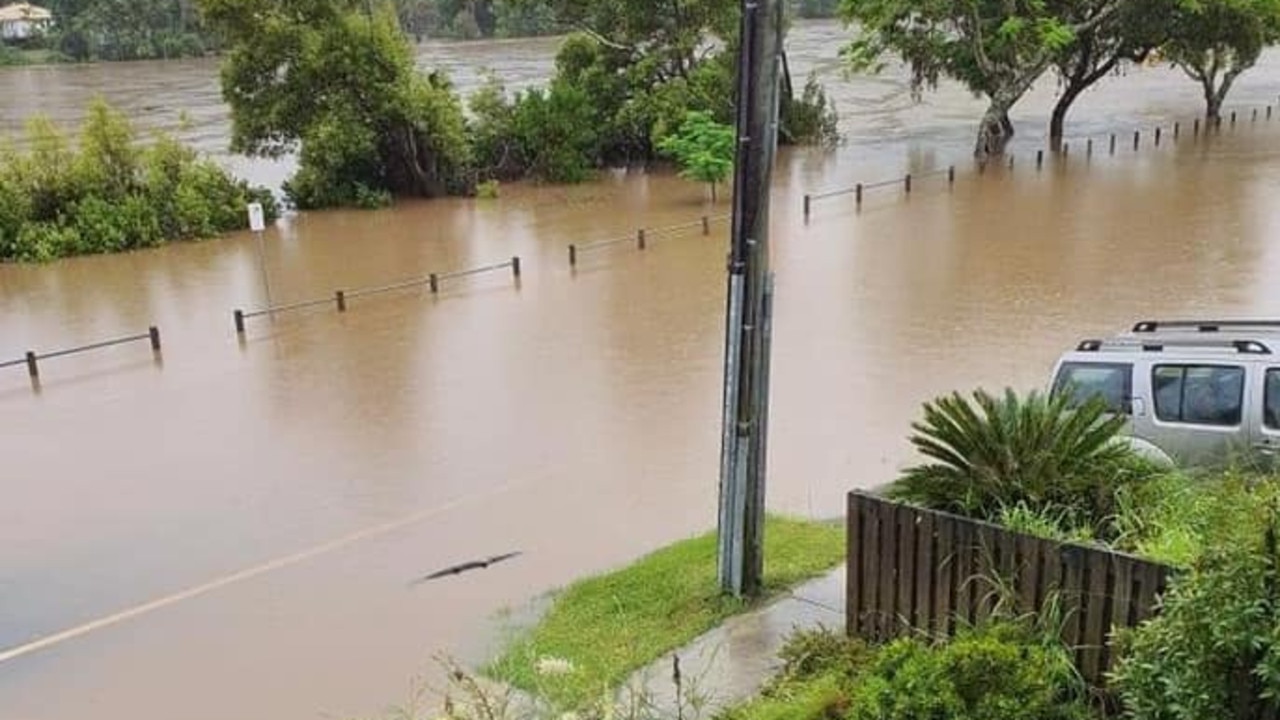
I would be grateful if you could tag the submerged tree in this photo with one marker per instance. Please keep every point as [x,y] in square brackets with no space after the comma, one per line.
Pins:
[336,79]
[1215,41]
[996,48]
[1129,34]
[703,148]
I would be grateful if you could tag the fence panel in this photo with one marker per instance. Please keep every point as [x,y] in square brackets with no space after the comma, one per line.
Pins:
[912,570]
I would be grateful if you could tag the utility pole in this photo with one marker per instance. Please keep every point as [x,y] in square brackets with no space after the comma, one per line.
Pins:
[748,325]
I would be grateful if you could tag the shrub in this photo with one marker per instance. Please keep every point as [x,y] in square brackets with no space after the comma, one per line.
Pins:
[810,119]
[109,193]
[1214,649]
[998,672]
[1037,451]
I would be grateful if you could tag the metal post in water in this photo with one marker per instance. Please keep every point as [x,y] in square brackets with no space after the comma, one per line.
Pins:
[1039,159]
[1177,130]
[1088,148]
[433,281]
[340,298]
[1137,139]
[857,194]
[706,225]
[640,242]
[1113,143]
[1255,115]
[1233,117]
[239,318]
[32,369]
[951,175]
[1268,112]
[1195,128]
[1157,137]
[906,182]
[573,255]
[807,202]
[153,334]
[515,267]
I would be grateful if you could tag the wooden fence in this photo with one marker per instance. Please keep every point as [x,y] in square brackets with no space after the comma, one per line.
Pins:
[916,571]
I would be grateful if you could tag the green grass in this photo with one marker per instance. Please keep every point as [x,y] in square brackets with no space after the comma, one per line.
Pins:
[824,696]
[611,625]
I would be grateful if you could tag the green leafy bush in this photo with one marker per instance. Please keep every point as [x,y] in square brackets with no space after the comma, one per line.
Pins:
[810,119]
[1214,649]
[108,193]
[703,147]
[997,672]
[996,452]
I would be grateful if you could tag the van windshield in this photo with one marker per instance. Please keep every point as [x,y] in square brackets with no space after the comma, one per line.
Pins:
[1113,382]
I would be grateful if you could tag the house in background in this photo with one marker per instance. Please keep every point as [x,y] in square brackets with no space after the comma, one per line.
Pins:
[23,20]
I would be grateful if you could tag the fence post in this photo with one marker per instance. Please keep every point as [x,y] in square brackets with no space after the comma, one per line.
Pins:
[1137,139]
[1113,143]
[1157,137]
[807,202]
[1177,130]
[706,225]
[32,369]
[1088,148]
[154,333]
[906,183]
[1268,112]
[857,193]
[573,255]
[1255,115]
[515,267]
[1233,117]
[239,317]
[434,281]
[640,242]
[951,175]
[1195,128]
[1039,159]
[1066,150]
[340,297]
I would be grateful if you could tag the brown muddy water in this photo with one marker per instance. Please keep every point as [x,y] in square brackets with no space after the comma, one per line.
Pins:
[231,532]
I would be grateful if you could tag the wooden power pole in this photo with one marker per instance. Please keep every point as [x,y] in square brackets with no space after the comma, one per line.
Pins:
[750,304]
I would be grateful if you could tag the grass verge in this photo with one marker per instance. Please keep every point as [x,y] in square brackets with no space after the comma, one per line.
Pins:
[614,624]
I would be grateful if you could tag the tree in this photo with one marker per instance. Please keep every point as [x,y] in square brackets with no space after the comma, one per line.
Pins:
[996,48]
[1215,41]
[336,78]
[703,148]
[1130,34]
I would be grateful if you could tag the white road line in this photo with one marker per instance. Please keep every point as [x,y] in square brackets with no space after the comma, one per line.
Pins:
[238,577]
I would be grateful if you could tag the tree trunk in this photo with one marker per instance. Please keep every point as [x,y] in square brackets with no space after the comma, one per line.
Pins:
[995,131]
[1058,120]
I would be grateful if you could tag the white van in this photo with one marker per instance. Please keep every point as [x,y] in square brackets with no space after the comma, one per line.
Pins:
[1199,392]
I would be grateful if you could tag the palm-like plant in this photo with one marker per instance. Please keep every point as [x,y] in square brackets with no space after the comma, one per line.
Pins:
[993,452]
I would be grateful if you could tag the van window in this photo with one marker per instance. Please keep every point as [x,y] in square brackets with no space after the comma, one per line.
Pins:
[1113,382]
[1199,394]
[1271,406]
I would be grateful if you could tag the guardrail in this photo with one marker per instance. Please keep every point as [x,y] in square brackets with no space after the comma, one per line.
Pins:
[643,235]
[340,297]
[906,182]
[32,358]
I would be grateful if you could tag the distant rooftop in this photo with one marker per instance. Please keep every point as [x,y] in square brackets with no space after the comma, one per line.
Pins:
[24,11]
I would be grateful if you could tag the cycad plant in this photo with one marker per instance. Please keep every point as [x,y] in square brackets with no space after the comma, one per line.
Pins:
[989,453]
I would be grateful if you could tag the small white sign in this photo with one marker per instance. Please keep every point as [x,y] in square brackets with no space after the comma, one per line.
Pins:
[257,222]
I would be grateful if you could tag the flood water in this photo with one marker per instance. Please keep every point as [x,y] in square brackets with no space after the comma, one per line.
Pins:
[231,532]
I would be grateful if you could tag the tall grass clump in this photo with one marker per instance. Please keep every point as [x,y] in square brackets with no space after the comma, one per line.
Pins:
[106,192]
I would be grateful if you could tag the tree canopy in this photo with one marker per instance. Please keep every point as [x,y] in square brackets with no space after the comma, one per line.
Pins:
[1215,41]
[336,79]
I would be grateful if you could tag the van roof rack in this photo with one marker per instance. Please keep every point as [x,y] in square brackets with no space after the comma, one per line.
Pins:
[1244,347]
[1150,326]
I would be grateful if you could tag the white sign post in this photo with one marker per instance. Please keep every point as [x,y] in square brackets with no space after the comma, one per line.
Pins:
[258,224]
